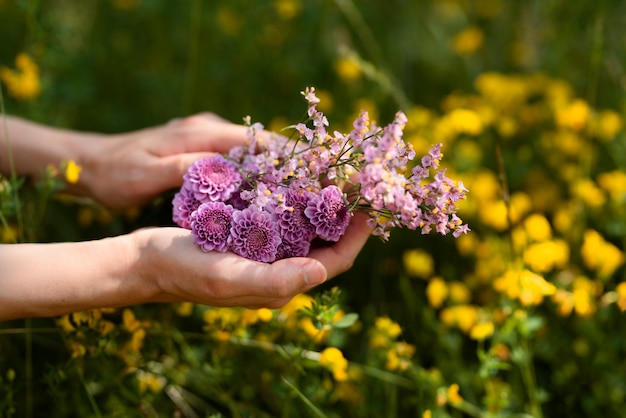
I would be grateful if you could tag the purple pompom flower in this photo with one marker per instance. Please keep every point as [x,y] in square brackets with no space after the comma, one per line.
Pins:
[210,226]
[183,204]
[328,213]
[213,178]
[298,248]
[254,235]
[294,225]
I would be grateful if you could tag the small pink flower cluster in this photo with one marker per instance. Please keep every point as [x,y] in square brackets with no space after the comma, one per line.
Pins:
[275,196]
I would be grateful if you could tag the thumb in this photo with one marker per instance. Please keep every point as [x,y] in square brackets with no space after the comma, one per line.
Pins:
[172,168]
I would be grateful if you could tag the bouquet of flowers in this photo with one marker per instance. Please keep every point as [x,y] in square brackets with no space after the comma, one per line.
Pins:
[277,196]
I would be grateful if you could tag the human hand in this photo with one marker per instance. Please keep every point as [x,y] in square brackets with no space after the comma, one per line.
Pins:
[180,271]
[128,169]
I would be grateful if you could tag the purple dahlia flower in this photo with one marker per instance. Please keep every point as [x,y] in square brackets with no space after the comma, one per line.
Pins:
[183,204]
[287,249]
[210,226]
[213,178]
[328,213]
[254,235]
[293,223]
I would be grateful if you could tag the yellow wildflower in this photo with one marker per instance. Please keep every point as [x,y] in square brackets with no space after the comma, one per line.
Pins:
[584,294]
[537,227]
[453,394]
[427,414]
[436,291]
[524,285]
[23,83]
[287,9]
[607,125]
[574,116]
[184,309]
[72,172]
[150,381]
[599,255]
[482,330]
[399,356]
[589,192]
[465,121]
[129,320]
[564,301]
[468,41]
[418,263]
[614,183]
[332,358]
[265,314]
[547,255]
[348,68]
[459,292]
[462,316]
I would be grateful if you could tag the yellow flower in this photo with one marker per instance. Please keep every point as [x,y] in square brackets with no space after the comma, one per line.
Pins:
[468,41]
[332,358]
[589,192]
[453,394]
[348,68]
[584,294]
[537,227]
[465,121]
[459,292]
[184,309]
[574,116]
[265,314]
[399,356]
[131,323]
[462,316]
[418,263]
[436,291]
[287,9]
[427,414]
[24,83]
[599,255]
[547,255]
[482,330]
[614,183]
[72,172]
[607,125]
[150,381]
[524,285]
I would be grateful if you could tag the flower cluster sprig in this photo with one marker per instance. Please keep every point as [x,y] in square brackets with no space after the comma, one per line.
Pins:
[276,196]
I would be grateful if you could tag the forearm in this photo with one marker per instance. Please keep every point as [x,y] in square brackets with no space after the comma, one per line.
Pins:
[38,280]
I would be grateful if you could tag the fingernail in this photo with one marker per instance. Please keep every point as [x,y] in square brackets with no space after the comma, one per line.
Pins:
[314,273]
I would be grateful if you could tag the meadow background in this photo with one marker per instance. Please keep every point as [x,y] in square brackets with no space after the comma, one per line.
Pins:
[521,317]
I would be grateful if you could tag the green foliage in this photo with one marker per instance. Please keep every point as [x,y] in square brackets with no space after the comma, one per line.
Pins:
[515,319]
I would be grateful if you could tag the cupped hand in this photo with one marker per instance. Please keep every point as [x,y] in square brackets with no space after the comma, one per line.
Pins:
[129,169]
[180,271]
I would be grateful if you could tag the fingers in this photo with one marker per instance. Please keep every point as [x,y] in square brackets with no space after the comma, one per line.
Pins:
[241,282]
[170,169]
[208,132]
[340,256]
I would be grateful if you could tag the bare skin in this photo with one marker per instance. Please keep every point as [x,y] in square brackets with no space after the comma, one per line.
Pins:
[149,265]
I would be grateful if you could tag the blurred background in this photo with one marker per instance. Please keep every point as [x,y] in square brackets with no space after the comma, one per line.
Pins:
[521,317]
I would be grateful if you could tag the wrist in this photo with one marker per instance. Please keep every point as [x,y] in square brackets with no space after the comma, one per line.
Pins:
[148,268]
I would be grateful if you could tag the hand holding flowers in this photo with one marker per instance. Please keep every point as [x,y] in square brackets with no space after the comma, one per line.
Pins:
[277,197]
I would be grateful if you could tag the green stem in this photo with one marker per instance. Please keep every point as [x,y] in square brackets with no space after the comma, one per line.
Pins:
[528,376]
